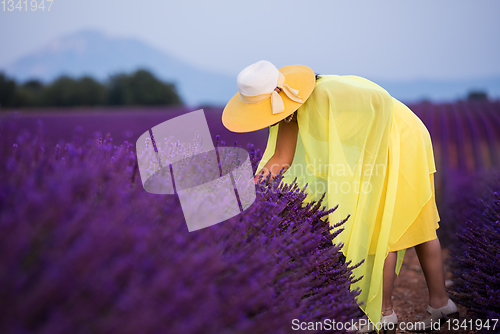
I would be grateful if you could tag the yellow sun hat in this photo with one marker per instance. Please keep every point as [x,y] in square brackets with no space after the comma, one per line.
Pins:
[267,95]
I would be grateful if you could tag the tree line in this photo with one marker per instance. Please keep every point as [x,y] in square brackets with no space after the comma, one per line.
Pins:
[138,88]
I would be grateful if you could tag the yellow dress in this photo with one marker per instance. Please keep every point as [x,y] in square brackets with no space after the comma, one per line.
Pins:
[373,157]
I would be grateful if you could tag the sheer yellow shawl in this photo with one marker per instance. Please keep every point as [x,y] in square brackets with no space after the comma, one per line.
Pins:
[349,146]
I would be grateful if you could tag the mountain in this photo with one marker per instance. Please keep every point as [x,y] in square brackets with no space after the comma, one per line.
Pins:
[99,55]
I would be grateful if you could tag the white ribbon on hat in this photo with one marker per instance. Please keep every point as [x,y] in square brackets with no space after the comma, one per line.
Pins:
[277,104]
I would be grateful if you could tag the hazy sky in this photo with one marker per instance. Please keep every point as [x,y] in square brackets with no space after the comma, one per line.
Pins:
[400,39]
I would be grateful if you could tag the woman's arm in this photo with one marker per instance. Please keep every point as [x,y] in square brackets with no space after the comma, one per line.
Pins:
[285,149]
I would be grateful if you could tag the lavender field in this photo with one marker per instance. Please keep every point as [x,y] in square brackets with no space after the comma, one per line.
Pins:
[465,136]
[84,249]
[119,123]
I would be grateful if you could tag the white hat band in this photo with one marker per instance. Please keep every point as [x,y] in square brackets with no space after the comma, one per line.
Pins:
[277,104]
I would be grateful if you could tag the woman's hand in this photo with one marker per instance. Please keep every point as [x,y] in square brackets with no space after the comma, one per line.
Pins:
[284,151]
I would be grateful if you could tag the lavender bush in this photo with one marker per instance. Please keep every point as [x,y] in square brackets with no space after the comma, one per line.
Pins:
[84,249]
[477,254]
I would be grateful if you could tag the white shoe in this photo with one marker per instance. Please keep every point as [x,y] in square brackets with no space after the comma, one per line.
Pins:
[434,321]
[388,325]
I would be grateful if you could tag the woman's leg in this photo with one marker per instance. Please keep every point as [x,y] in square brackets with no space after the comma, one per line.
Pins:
[388,282]
[429,255]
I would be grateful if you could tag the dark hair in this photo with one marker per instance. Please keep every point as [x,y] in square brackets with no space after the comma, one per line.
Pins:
[317,77]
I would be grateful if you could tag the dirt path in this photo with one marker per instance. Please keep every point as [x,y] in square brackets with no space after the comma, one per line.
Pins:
[410,296]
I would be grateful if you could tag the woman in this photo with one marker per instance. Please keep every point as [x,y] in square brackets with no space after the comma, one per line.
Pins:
[347,137]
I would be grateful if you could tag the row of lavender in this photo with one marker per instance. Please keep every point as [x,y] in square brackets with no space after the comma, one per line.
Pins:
[476,253]
[84,249]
